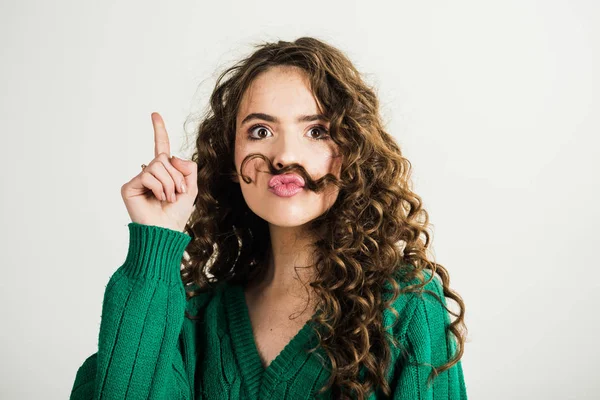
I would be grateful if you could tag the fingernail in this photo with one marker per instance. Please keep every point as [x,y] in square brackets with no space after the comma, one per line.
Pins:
[183,187]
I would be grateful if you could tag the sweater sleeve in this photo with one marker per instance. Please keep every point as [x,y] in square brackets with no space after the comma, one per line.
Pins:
[142,317]
[426,342]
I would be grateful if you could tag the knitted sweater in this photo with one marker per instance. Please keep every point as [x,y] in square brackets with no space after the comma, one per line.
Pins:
[148,349]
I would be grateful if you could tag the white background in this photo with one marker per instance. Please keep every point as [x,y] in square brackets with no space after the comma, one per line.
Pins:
[495,103]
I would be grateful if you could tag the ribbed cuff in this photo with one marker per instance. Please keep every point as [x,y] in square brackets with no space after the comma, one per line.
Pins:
[155,252]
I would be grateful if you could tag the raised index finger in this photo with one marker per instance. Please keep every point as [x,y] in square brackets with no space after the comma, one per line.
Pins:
[161,138]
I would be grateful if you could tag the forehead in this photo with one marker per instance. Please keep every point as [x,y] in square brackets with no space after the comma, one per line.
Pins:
[280,91]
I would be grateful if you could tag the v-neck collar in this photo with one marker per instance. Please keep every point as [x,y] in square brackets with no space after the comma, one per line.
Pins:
[245,349]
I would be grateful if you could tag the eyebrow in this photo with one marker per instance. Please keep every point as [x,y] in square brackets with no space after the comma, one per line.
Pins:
[270,118]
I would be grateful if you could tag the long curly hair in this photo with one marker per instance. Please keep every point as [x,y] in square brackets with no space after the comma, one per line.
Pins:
[374,233]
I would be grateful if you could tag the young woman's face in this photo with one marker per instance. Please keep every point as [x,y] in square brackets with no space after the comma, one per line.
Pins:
[282,95]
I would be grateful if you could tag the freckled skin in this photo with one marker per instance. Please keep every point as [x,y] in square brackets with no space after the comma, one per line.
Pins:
[284,93]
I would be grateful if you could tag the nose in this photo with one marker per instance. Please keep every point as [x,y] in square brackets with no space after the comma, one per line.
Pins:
[286,151]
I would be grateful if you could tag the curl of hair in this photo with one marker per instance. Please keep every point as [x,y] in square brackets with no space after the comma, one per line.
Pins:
[375,233]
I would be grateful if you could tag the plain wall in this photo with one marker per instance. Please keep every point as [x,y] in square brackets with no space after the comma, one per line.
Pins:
[495,103]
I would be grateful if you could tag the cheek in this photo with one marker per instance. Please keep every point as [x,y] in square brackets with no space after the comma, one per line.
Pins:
[336,165]
[240,152]
[252,167]
[331,162]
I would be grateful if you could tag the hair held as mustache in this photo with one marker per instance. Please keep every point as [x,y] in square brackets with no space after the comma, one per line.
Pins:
[314,185]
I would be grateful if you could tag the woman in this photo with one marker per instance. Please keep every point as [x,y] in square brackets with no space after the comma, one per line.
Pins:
[306,278]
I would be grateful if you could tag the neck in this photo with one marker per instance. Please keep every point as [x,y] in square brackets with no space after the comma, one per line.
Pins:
[287,272]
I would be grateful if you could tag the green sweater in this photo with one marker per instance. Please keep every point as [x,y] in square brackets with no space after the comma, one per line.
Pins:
[148,349]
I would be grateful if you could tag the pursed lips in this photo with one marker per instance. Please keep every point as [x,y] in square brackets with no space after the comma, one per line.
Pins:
[286,178]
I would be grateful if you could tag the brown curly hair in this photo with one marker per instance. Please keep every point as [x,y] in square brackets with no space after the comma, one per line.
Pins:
[375,233]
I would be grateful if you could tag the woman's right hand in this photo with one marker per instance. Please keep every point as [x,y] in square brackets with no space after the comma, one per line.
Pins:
[172,177]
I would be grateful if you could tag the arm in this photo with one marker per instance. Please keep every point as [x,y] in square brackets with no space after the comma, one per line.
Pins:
[142,317]
[427,343]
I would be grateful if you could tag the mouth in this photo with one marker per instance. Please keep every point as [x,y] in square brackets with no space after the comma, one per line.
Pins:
[286,185]
[286,179]
[286,189]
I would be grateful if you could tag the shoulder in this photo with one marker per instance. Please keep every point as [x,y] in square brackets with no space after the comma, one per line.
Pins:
[204,297]
[423,311]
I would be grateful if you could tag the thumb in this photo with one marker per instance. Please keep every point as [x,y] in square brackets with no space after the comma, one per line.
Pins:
[187,168]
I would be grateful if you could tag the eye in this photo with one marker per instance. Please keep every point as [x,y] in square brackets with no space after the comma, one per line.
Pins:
[261,132]
[319,128]
[251,130]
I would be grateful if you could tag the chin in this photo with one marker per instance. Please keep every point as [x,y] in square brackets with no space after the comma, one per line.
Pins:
[288,212]
[287,218]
